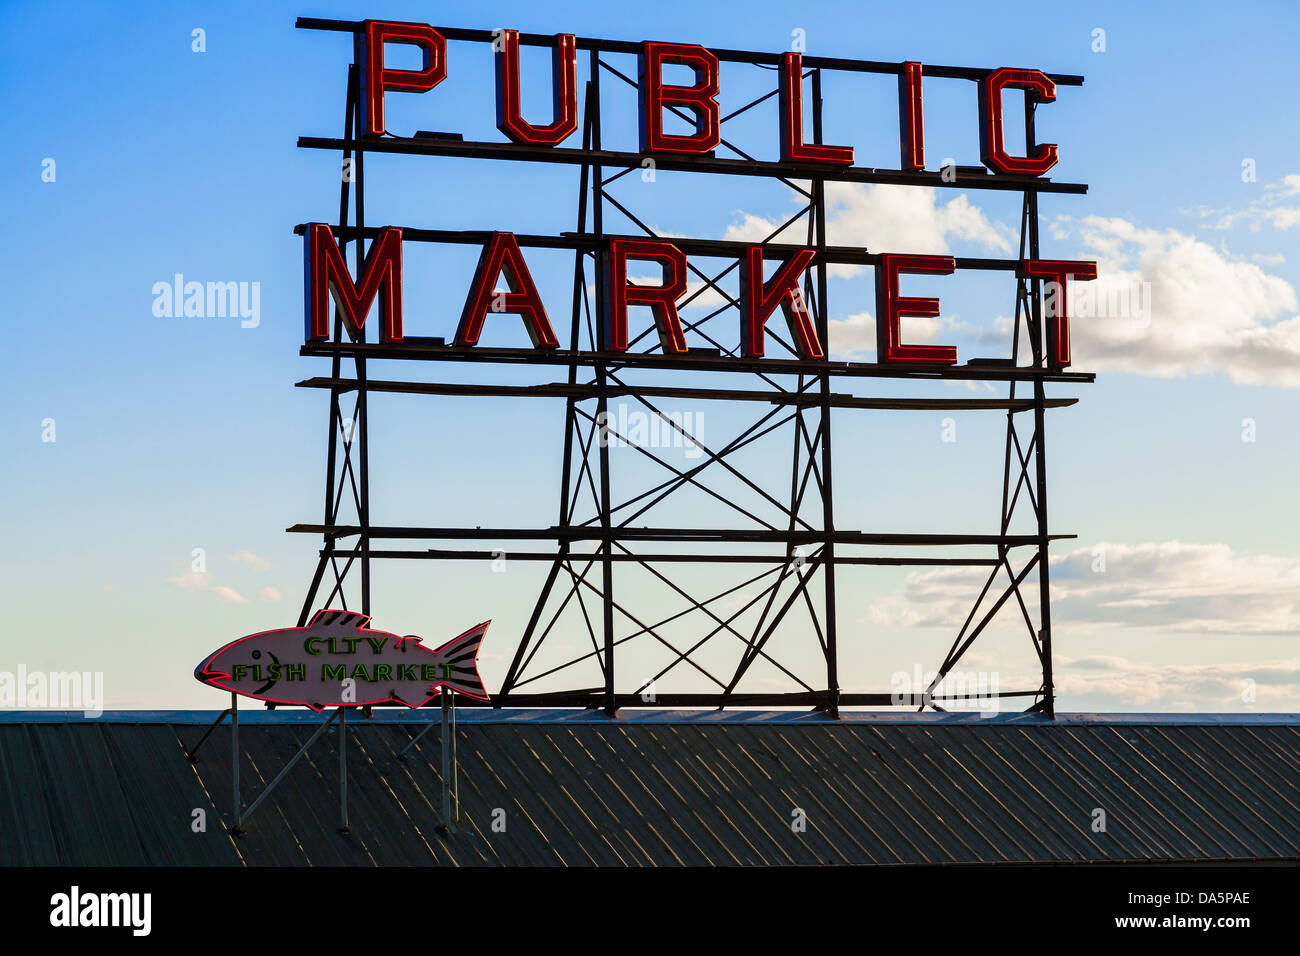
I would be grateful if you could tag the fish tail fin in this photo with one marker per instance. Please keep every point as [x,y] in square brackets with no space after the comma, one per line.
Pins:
[457,663]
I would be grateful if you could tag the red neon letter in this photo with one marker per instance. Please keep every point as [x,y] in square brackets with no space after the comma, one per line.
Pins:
[759,300]
[793,148]
[992,153]
[375,78]
[501,254]
[1058,329]
[700,98]
[662,299]
[890,306]
[911,125]
[326,272]
[510,121]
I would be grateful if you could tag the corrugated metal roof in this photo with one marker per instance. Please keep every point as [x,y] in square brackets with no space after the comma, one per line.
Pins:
[701,789]
[549,715]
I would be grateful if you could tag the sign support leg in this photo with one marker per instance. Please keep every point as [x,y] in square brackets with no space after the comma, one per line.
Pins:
[446,765]
[401,755]
[448,762]
[266,791]
[455,766]
[234,758]
[343,768]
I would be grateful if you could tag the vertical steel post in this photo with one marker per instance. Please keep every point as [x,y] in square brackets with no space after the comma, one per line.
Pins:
[455,765]
[828,502]
[362,427]
[1040,454]
[602,400]
[445,699]
[332,437]
[570,406]
[343,766]
[234,756]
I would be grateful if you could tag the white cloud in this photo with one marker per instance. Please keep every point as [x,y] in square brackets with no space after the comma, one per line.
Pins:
[269,593]
[888,218]
[1104,682]
[882,218]
[1191,309]
[191,581]
[254,561]
[885,218]
[1146,591]
[1170,586]
[203,581]
[751,228]
[705,296]
[1264,210]
[851,336]
[1165,304]
[1173,586]
[229,594]
[1118,682]
[854,336]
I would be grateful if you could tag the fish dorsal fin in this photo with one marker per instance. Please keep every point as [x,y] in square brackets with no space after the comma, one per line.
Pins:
[328,618]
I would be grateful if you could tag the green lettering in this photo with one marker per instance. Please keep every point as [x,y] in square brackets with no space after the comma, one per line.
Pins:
[377,644]
[360,673]
[307,645]
[335,672]
[382,671]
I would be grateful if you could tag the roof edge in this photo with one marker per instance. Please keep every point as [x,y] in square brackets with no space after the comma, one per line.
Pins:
[488,715]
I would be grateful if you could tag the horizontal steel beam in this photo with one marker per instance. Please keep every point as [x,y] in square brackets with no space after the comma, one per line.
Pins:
[997,370]
[726,56]
[573,156]
[594,699]
[704,536]
[588,391]
[706,248]
[444,554]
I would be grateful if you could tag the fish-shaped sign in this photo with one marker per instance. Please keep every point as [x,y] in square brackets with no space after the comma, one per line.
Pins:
[337,660]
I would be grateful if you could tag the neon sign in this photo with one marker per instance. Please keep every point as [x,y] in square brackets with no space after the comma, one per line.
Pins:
[380,276]
[338,661]
[760,309]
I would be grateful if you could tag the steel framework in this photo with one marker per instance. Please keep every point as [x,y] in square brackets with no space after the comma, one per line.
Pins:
[798,550]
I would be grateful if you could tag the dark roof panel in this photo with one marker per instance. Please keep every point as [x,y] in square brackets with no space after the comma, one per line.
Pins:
[656,789]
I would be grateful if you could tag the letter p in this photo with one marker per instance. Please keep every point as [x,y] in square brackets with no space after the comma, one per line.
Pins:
[376,78]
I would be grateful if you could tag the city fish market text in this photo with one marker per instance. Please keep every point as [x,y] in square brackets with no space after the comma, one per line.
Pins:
[337,660]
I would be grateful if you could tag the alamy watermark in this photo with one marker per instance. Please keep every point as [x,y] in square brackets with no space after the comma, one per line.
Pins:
[959,690]
[77,908]
[1129,300]
[57,690]
[214,300]
[622,427]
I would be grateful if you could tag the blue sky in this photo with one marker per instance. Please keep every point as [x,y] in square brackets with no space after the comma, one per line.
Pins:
[179,433]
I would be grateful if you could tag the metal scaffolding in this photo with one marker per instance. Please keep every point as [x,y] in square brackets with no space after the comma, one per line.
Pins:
[795,551]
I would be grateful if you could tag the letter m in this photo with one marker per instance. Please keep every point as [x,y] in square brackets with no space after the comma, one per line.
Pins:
[326,275]
[116,909]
